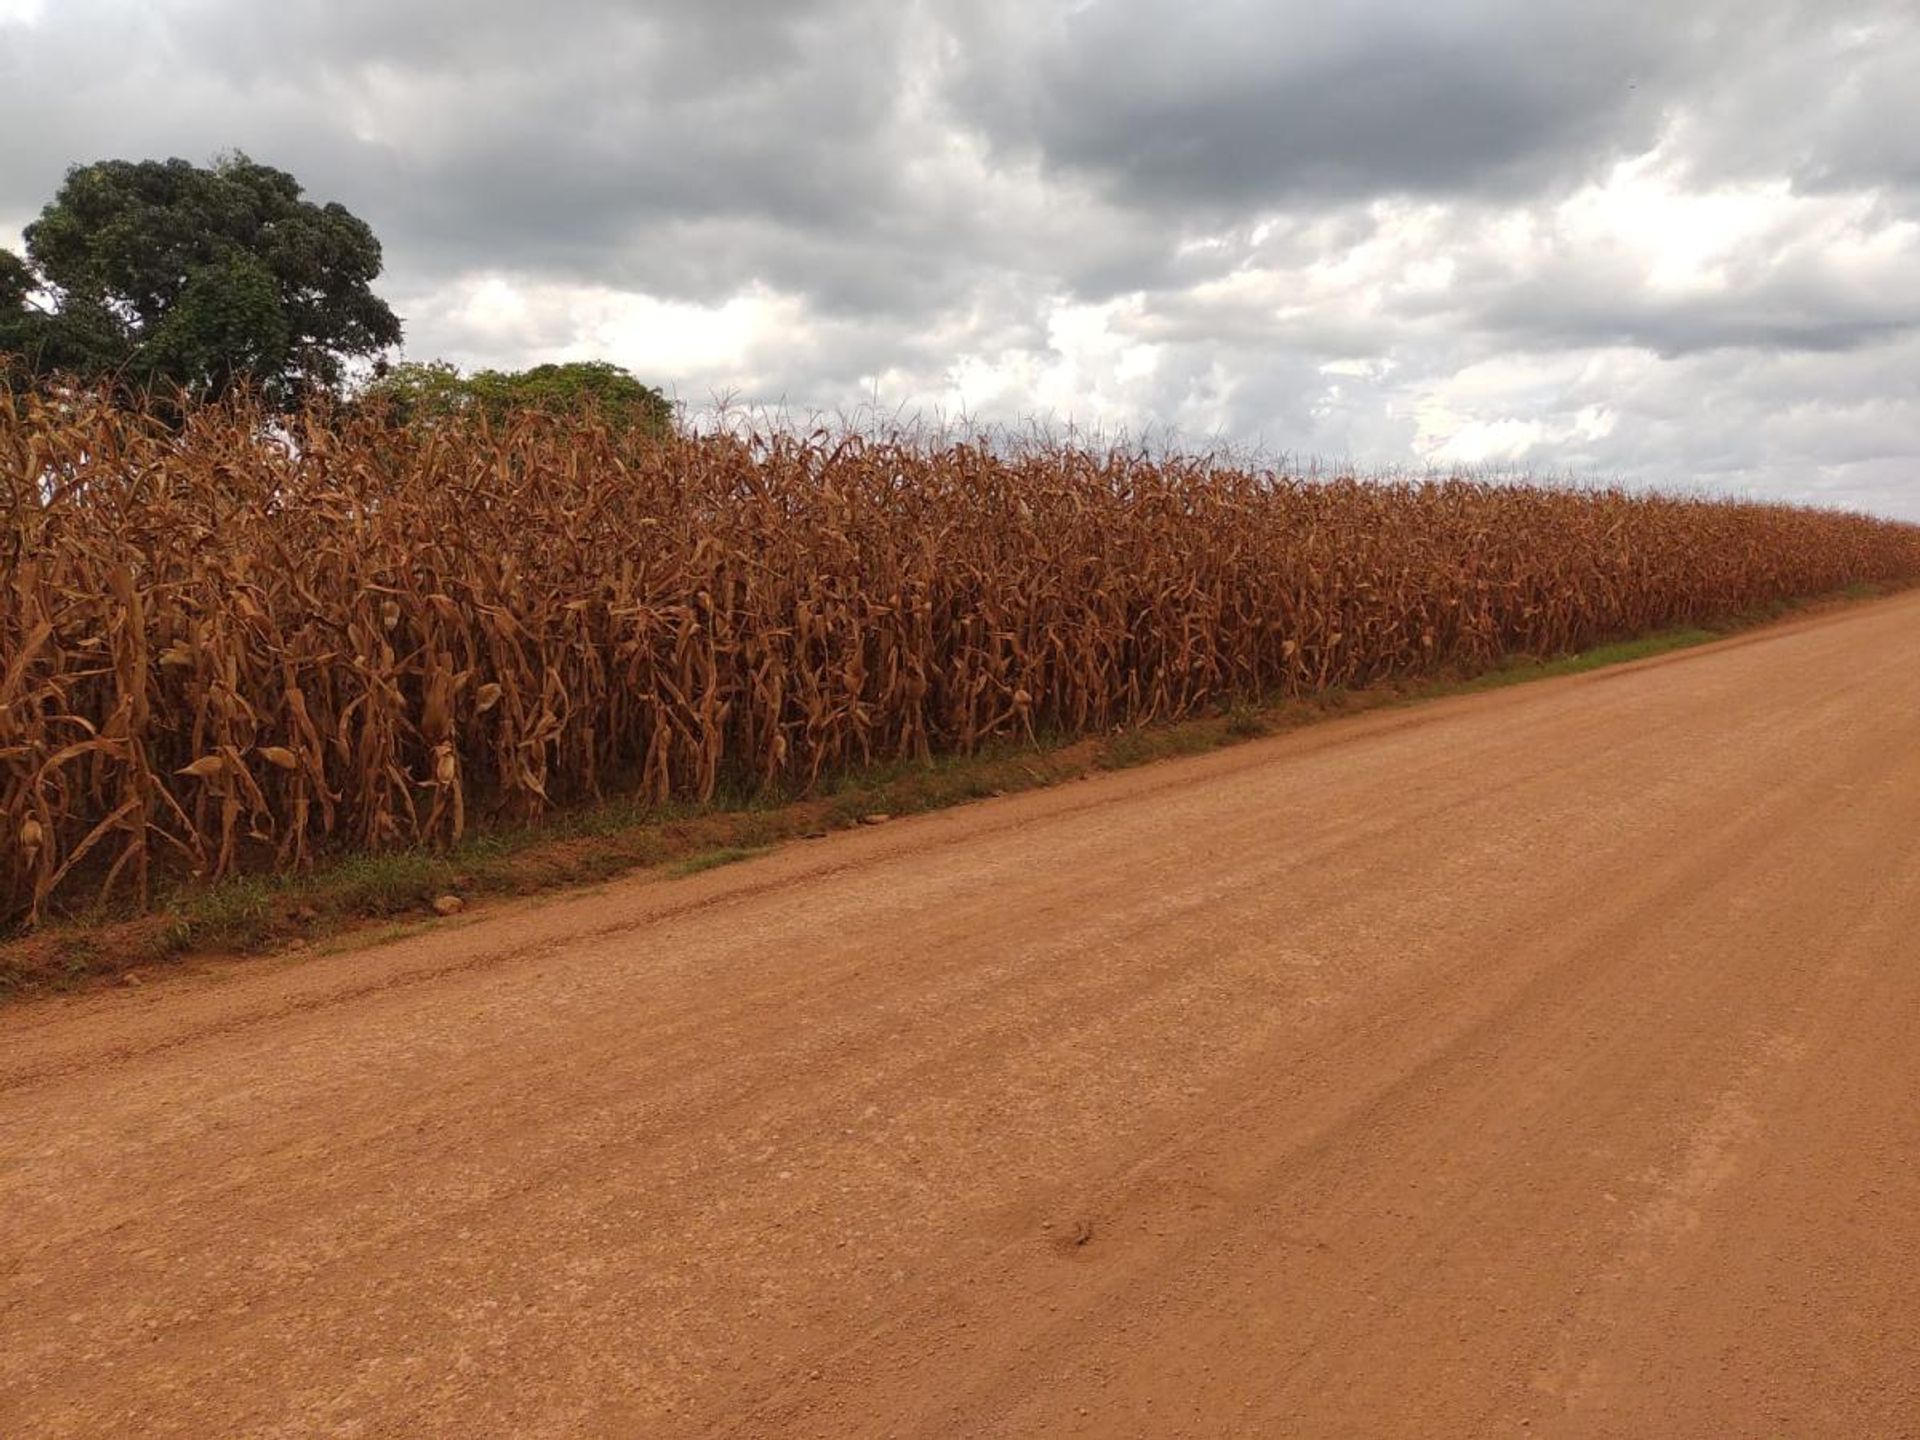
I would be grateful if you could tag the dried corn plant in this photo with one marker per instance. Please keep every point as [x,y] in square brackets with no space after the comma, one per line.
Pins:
[241,644]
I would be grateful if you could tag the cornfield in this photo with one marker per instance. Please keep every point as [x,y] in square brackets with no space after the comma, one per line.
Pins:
[242,643]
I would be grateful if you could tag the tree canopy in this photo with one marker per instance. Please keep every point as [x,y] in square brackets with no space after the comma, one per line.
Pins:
[168,273]
[426,391]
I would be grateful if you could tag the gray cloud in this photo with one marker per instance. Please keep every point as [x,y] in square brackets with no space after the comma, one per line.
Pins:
[1824,96]
[1244,102]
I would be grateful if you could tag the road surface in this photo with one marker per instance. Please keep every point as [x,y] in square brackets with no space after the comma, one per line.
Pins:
[1541,1062]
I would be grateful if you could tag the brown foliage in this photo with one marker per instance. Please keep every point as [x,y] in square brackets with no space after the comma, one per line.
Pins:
[230,645]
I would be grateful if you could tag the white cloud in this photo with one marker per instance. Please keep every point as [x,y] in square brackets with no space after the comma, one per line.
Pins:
[498,320]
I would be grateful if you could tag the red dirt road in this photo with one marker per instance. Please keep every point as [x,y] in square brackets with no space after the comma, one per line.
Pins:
[1544,1062]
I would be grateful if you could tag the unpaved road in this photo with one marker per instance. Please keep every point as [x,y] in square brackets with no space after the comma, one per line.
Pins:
[1541,1062]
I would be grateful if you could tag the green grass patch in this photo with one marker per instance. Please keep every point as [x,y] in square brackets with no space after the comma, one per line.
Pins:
[714,859]
[1156,742]
[1519,669]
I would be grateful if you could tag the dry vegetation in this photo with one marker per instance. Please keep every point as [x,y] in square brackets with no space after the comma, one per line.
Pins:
[221,650]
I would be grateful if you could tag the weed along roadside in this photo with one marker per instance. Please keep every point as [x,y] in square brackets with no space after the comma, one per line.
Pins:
[371,899]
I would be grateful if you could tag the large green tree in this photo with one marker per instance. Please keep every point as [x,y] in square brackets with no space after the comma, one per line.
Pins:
[173,274]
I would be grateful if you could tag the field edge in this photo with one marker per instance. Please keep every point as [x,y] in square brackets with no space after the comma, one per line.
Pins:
[366,900]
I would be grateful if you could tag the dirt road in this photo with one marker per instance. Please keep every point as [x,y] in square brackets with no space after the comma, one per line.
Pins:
[1542,1062]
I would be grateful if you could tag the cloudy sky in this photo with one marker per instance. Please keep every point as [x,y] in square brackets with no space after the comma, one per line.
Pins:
[1667,241]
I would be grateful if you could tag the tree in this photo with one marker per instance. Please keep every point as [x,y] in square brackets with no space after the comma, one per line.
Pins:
[16,283]
[41,337]
[436,390]
[168,273]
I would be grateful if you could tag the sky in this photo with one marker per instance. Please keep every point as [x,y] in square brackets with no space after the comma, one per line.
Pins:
[1672,244]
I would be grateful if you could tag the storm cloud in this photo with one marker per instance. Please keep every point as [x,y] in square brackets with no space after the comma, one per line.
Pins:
[1668,244]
